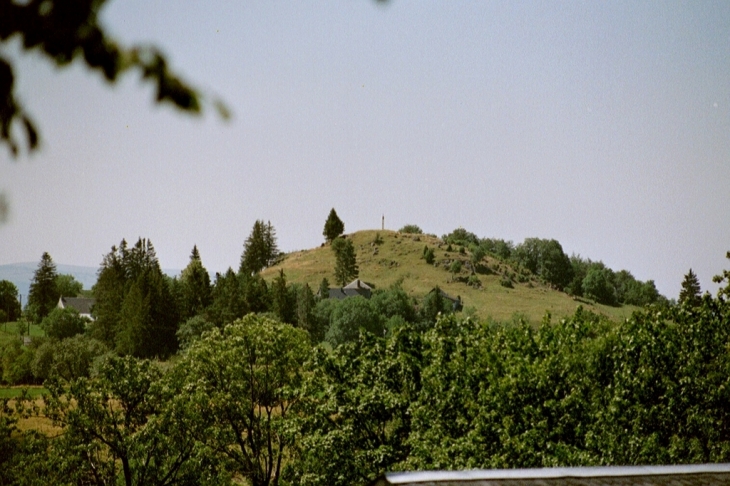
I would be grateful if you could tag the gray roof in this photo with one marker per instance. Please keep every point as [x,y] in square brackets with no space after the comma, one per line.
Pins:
[80,304]
[353,289]
[357,284]
[344,292]
[684,475]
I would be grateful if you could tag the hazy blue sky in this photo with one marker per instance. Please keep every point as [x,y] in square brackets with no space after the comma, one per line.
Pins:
[604,125]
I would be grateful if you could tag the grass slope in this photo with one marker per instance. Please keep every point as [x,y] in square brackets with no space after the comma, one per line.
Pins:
[399,257]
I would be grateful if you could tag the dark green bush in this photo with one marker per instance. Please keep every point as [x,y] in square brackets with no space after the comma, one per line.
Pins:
[411,229]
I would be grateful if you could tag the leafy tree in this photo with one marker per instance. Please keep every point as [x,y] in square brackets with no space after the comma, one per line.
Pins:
[16,363]
[323,314]
[63,323]
[580,269]
[691,291]
[43,295]
[724,292]
[546,259]
[461,237]
[412,229]
[67,30]
[9,303]
[357,410]
[122,425]
[349,317]
[333,227]
[68,286]
[393,301]
[246,378]
[345,261]
[68,359]
[598,284]
[192,329]
[497,247]
[196,288]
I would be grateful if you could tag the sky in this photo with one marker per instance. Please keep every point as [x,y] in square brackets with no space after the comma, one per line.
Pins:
[603,125]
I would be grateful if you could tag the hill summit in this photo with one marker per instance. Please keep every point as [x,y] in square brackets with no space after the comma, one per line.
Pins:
[492,288]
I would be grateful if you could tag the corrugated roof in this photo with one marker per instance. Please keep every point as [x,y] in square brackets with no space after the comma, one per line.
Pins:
[680,475]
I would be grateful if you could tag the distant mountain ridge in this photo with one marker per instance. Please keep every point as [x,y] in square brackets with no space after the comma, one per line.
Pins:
[21,274]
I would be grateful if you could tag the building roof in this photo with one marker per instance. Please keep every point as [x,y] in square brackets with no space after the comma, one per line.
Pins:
[353,289]
[357,284]
[80,304]
[343,293]
[682,475]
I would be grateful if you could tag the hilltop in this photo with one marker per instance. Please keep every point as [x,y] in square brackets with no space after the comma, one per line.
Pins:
[399,257]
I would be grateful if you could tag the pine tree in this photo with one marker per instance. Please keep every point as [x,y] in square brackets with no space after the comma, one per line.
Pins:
[255,256]
[196,289]
[282,302]
[109,290]
[333,227]
[229,301]
[135,309]
[346,263]
[272,250]
[690,293]
[305,313]
[323,292]
[43,296]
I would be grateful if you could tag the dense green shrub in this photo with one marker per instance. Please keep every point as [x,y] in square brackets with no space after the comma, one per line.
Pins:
[411,229]
[461,237]
[63,323]
[349,316]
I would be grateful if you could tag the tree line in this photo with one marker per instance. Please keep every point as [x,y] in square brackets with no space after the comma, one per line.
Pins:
[257,400]
[575,275]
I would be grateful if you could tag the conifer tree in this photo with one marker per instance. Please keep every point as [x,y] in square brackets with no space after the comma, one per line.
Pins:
[196,289]
[228,296]
[690,293]
[43,296]
[324,289]
[272,250]
[333,227]
[135,309]
[109,290]
[282,303]
[346,263]
[305,313]
[259,249]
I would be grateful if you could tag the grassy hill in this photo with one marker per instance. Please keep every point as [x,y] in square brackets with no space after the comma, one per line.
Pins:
[398,257]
